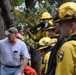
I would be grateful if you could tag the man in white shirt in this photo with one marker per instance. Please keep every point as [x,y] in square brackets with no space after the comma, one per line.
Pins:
[14,54]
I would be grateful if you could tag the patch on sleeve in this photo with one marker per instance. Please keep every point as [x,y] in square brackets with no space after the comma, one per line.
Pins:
[60,56]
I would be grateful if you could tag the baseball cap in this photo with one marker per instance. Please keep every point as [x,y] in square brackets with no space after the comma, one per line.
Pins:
[11,30]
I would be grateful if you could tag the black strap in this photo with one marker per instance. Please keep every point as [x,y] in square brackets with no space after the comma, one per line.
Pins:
[52,60]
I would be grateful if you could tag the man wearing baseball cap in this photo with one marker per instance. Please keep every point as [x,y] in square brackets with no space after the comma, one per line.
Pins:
[14,54]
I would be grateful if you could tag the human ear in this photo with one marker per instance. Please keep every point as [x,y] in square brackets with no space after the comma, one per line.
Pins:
[73,24]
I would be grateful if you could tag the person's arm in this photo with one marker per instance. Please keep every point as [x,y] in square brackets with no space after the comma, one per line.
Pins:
[38,35]
[33,28]
[24,58]
[23,65]
[29,32]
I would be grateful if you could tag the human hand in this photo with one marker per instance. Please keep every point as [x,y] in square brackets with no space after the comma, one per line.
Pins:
[28,30]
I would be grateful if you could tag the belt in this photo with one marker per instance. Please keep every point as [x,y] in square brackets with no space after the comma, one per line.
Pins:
[12,66]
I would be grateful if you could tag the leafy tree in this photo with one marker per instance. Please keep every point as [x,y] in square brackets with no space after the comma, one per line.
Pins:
[7,13]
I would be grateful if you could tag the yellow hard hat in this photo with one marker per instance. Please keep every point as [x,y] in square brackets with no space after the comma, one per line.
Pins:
[52,42]
[45,15]
[47,42]
[67,11]
[50,26]
[43,42]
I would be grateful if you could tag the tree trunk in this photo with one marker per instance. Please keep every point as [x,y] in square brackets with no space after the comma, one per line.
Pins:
[35,55]
[1,34]
[7,13]
[36,60]
[29,4]
[1,26]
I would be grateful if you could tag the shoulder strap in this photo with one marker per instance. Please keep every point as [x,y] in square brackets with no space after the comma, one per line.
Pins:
[52,59]
[72,37]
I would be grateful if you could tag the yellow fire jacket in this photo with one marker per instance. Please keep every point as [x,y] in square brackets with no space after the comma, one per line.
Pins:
[45,65]
[46,59]
[39,35]
[66,59]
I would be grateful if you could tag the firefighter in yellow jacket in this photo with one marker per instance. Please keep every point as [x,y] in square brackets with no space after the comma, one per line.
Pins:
[46,44]
[52,31]
[66,55]
[45,17]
